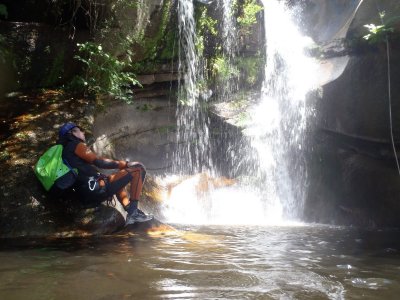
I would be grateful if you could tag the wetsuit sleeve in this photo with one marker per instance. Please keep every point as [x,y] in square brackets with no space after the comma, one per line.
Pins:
[89,156]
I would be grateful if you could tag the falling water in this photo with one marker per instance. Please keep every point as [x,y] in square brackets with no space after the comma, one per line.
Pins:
[229,27]
[279,120]
[229,48]
[193,154]
[276,130]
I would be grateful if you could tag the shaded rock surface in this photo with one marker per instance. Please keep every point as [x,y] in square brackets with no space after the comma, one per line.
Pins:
[353,178]
[144,131]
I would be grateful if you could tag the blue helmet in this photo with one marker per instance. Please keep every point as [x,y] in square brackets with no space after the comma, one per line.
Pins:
[65,128]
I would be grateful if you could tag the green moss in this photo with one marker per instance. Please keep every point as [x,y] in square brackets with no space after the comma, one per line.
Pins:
[153,45]
[170,50]
[162,46]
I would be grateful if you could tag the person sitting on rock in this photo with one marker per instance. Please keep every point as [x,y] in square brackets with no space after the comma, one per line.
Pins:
[95,187]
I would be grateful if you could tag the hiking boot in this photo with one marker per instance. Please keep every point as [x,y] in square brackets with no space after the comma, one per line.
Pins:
[137,216]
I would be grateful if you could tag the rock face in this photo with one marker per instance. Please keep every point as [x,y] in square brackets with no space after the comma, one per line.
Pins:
[144,131]
[38,55]
[41,46]
[354,179]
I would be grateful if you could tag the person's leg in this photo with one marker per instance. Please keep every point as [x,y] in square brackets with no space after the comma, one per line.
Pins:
[116,185]
[117,182]
[138,177]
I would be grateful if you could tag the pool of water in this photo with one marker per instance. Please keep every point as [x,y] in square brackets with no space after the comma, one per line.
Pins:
[209,262]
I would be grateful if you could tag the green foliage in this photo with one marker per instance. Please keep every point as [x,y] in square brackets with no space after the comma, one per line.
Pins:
[245,69]
[204,25]
[205,22]
[222,69]
[104,73]
[249,12]
[379,33]
[3,11]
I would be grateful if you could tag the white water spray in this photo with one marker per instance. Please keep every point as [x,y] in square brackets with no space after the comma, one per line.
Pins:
[279,120]
[277,134]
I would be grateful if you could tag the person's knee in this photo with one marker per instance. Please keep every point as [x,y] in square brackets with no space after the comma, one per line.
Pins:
[139,168]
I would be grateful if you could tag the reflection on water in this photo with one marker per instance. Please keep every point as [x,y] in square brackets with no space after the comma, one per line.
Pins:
[302,262]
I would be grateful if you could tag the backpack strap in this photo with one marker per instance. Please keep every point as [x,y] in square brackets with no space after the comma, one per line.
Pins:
[69,167]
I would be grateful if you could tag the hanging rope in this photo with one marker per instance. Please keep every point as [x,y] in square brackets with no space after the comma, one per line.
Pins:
[389,90]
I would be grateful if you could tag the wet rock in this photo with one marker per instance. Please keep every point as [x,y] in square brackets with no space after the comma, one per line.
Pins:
[105,219]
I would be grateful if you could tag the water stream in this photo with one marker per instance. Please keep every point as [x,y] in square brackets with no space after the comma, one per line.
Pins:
[213,262]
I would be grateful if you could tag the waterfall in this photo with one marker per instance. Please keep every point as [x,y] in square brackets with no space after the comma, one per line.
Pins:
[278,175]
[192,154]
[279,120]
[229,47]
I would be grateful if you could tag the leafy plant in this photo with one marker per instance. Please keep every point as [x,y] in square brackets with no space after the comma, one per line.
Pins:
[104,73]
[249,12]
[204,25]
[378,33]
[222,69]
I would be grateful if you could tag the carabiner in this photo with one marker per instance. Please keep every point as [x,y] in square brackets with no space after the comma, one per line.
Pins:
[92,183]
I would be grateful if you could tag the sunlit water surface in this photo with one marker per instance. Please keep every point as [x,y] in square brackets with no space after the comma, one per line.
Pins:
[213,262]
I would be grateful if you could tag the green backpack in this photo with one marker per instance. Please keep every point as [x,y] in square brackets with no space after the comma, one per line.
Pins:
[51,167]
